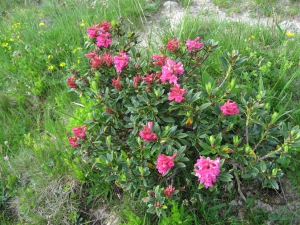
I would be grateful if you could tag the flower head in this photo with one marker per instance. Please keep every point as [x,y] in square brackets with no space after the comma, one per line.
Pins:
[121,61]
[173,45]
[207,170]
[169,191]
[289,34]
[136,80]
[229,108]
[71,82]
[94,30]
[6,158]
[117,83]
[108,59]
[194,45]
[147,133]
[80,131]
[158,60]
[170,71]
[73,141]
[97,61]
[176,93]
[164,163]
[103,40]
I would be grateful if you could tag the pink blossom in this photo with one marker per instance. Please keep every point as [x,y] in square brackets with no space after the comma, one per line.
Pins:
[173,45]
[176,93]
[194,45]
[90,55]
[169,191]
[229,108]
[117,83]
[121,61]
[149,78]
[97,62]
[71,82]
[73,141]
[103,40]
[147,133]
[136,80]
[164,163]
[207,171]
[109,111]
[108,59]
[170,71]
[159,60]
[94,30]
[80,131]
[105,26]
[6,158]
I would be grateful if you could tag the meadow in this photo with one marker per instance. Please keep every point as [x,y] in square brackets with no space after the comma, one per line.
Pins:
[43,180]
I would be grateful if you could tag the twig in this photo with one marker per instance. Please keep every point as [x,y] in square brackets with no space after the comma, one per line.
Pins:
[239,186]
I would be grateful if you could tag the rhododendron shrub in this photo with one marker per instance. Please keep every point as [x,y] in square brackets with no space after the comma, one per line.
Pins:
[162,124]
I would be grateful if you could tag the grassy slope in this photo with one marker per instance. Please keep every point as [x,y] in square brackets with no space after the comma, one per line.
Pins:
[36,104]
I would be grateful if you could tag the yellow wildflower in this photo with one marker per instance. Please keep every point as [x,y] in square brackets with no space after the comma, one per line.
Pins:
[62,64]
[5,44]
[289,34]
[49,56]
[11,39]
[82,23]
[41,24]
[50,67]
[252,36]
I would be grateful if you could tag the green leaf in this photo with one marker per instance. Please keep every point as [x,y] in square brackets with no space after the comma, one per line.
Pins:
[263,166]
[181,135]
[204,106]
[225,177]
[180,165]
[274,184]
[111,178]
[168,119]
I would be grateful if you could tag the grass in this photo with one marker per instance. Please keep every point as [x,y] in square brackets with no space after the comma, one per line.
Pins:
[37,53]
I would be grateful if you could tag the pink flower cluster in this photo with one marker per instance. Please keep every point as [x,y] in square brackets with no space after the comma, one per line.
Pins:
[164,163]
[207,170]
[173,45]
[97,61]
[117,83]
[101,33]
[71,82]
[170,71]
[169,191]
[121,61]
[79,133]
[147,133]
[176,93]
[229,108]
[194,45]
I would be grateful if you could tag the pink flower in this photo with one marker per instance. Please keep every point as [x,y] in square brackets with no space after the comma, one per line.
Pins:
[176,93]
[229,108]
[73,141]
[147,133]
[170,71]
[90,55]
[103,40]
[94,30]
[149,78]
[117,83]
[71,82]
[194,45]
[169,191]
[109,111]
[159,60]
[97,62]
[108,59]
[207,171]
[136,80]
[121,61]
[80,131]
[164,163]
[173,45]
[105,26]
[6,158]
